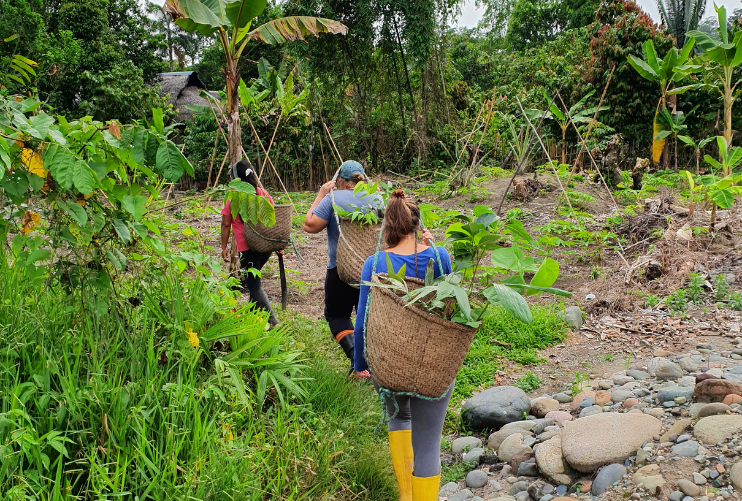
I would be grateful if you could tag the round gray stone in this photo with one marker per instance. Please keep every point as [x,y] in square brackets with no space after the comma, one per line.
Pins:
[476,479]
[686,449]
[495,407]
[465,495]
[606,477]
[662,368]
[669,394]
[688,488]
[473,455]
[448,490]
[462,444]
[591,411]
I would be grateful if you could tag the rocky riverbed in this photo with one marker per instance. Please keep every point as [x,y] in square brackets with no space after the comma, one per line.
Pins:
[669,427]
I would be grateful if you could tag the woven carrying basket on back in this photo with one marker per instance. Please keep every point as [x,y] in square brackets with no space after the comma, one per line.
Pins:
[260,238]
[355,244]
[410,350]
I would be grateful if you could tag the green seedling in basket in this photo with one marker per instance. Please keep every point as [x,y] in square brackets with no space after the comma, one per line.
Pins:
[457,296]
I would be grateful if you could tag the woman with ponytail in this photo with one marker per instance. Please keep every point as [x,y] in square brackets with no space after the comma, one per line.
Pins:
[415,430]
[243,171]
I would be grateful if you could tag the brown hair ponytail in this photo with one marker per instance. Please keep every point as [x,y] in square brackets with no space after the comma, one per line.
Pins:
[402,218]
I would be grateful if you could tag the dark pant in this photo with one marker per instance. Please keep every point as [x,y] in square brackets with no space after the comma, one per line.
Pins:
[251,282]
[340,299]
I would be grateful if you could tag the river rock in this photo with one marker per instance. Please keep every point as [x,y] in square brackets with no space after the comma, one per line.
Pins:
[686,449]
[619,396]
[577,401]
[713,410]
[563,398]
[662,368]
[465,495]
[539,425]
[448,490]
[573,316]
[606,438]
[606,477]
[551,463]
[495,407]
[677,428]
[512,446]
[602,397]
[476,479]
[688,488]
[735,475]
[591,411]
[540,407]
[714,390]
[688,364]
[716,429]
[732,399]
[539,489]
[670,393]
[651,478]
[559,417]
[473,455]
[496,439]
[462,444]
[637,374]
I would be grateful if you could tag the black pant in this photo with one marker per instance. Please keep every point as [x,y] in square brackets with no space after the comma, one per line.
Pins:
[251,282]
[340,299]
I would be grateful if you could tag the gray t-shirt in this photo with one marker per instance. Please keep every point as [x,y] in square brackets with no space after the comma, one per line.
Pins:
[348,201]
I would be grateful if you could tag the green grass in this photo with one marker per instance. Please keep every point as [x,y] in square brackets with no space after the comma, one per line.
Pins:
[481,363]
[100,398]
[455,472]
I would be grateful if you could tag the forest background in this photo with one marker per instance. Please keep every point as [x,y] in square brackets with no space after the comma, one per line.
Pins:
[401,92]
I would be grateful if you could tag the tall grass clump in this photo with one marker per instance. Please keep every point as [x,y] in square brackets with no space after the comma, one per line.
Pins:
[169,393]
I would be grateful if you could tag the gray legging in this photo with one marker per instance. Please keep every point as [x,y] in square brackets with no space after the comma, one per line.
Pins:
[425,419]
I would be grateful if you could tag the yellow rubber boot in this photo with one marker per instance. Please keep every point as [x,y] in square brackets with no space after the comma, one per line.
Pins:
[400,445]
[425,488]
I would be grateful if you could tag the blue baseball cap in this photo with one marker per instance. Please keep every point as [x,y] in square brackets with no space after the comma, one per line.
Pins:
[349,168]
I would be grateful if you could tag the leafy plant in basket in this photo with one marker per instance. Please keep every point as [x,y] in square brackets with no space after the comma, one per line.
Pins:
[453,297]
[246,203]
[363,191]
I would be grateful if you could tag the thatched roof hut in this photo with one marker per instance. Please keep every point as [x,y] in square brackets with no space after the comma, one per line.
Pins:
[183,88]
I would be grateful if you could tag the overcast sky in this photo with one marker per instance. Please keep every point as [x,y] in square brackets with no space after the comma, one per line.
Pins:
[470,15]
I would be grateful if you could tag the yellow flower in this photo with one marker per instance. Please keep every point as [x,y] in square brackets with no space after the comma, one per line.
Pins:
[192,336]
[32,160]
[29,222]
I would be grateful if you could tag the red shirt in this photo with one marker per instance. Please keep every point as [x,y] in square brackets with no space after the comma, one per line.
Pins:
[238,226]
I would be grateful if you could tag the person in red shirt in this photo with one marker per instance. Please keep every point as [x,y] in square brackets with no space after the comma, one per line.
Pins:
[248,259]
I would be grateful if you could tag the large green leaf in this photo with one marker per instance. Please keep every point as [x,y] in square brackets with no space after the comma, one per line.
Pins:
[724,198]
[75,212]
[5,162]
[546,275]
[204,16]
[643,68]
[266,213]
[83,177]
[241,12]
[288,29]
[60,163]
[504,257]
[169,161]
[652,59]
[513,302]
[122,231]
[135,205]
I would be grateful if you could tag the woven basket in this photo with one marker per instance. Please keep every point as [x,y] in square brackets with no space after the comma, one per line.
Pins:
[355,244]
[260,238]
[410,350]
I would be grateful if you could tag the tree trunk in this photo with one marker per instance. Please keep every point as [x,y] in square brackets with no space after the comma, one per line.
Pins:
[564,145]
[676,153]
[713,217]
[728,100]
[234,130]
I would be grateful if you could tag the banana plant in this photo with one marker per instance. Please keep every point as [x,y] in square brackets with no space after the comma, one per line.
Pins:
[578,115]
[665,72]
[673,126]
[722,190]
[719,59]
[230,21]
[697,147]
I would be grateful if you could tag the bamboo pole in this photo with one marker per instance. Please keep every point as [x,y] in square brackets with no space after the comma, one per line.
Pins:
[546,152]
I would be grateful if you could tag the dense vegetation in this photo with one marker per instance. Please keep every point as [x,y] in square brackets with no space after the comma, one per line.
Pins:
[130,367]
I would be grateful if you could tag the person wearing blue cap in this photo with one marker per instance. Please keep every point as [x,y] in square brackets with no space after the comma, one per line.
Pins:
[340,298]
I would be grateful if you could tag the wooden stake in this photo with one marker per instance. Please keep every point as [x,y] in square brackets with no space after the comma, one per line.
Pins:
[546,152]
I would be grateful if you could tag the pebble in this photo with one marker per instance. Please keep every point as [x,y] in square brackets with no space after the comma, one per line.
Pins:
[687,498]
[606,477]
[699,479]
[563,398]
[476,479]
[528,469]
[494,485]
[688,488]
[495,407]
[448,490]
[591,411]
[682,438]
[561,490]
[671,393]
[465,495]
[522,496]
[686,449]
[473,455]
[637,374]
[676,496]
[517,487]
[713,409]
[680,400]
[465,443]
[620,395]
